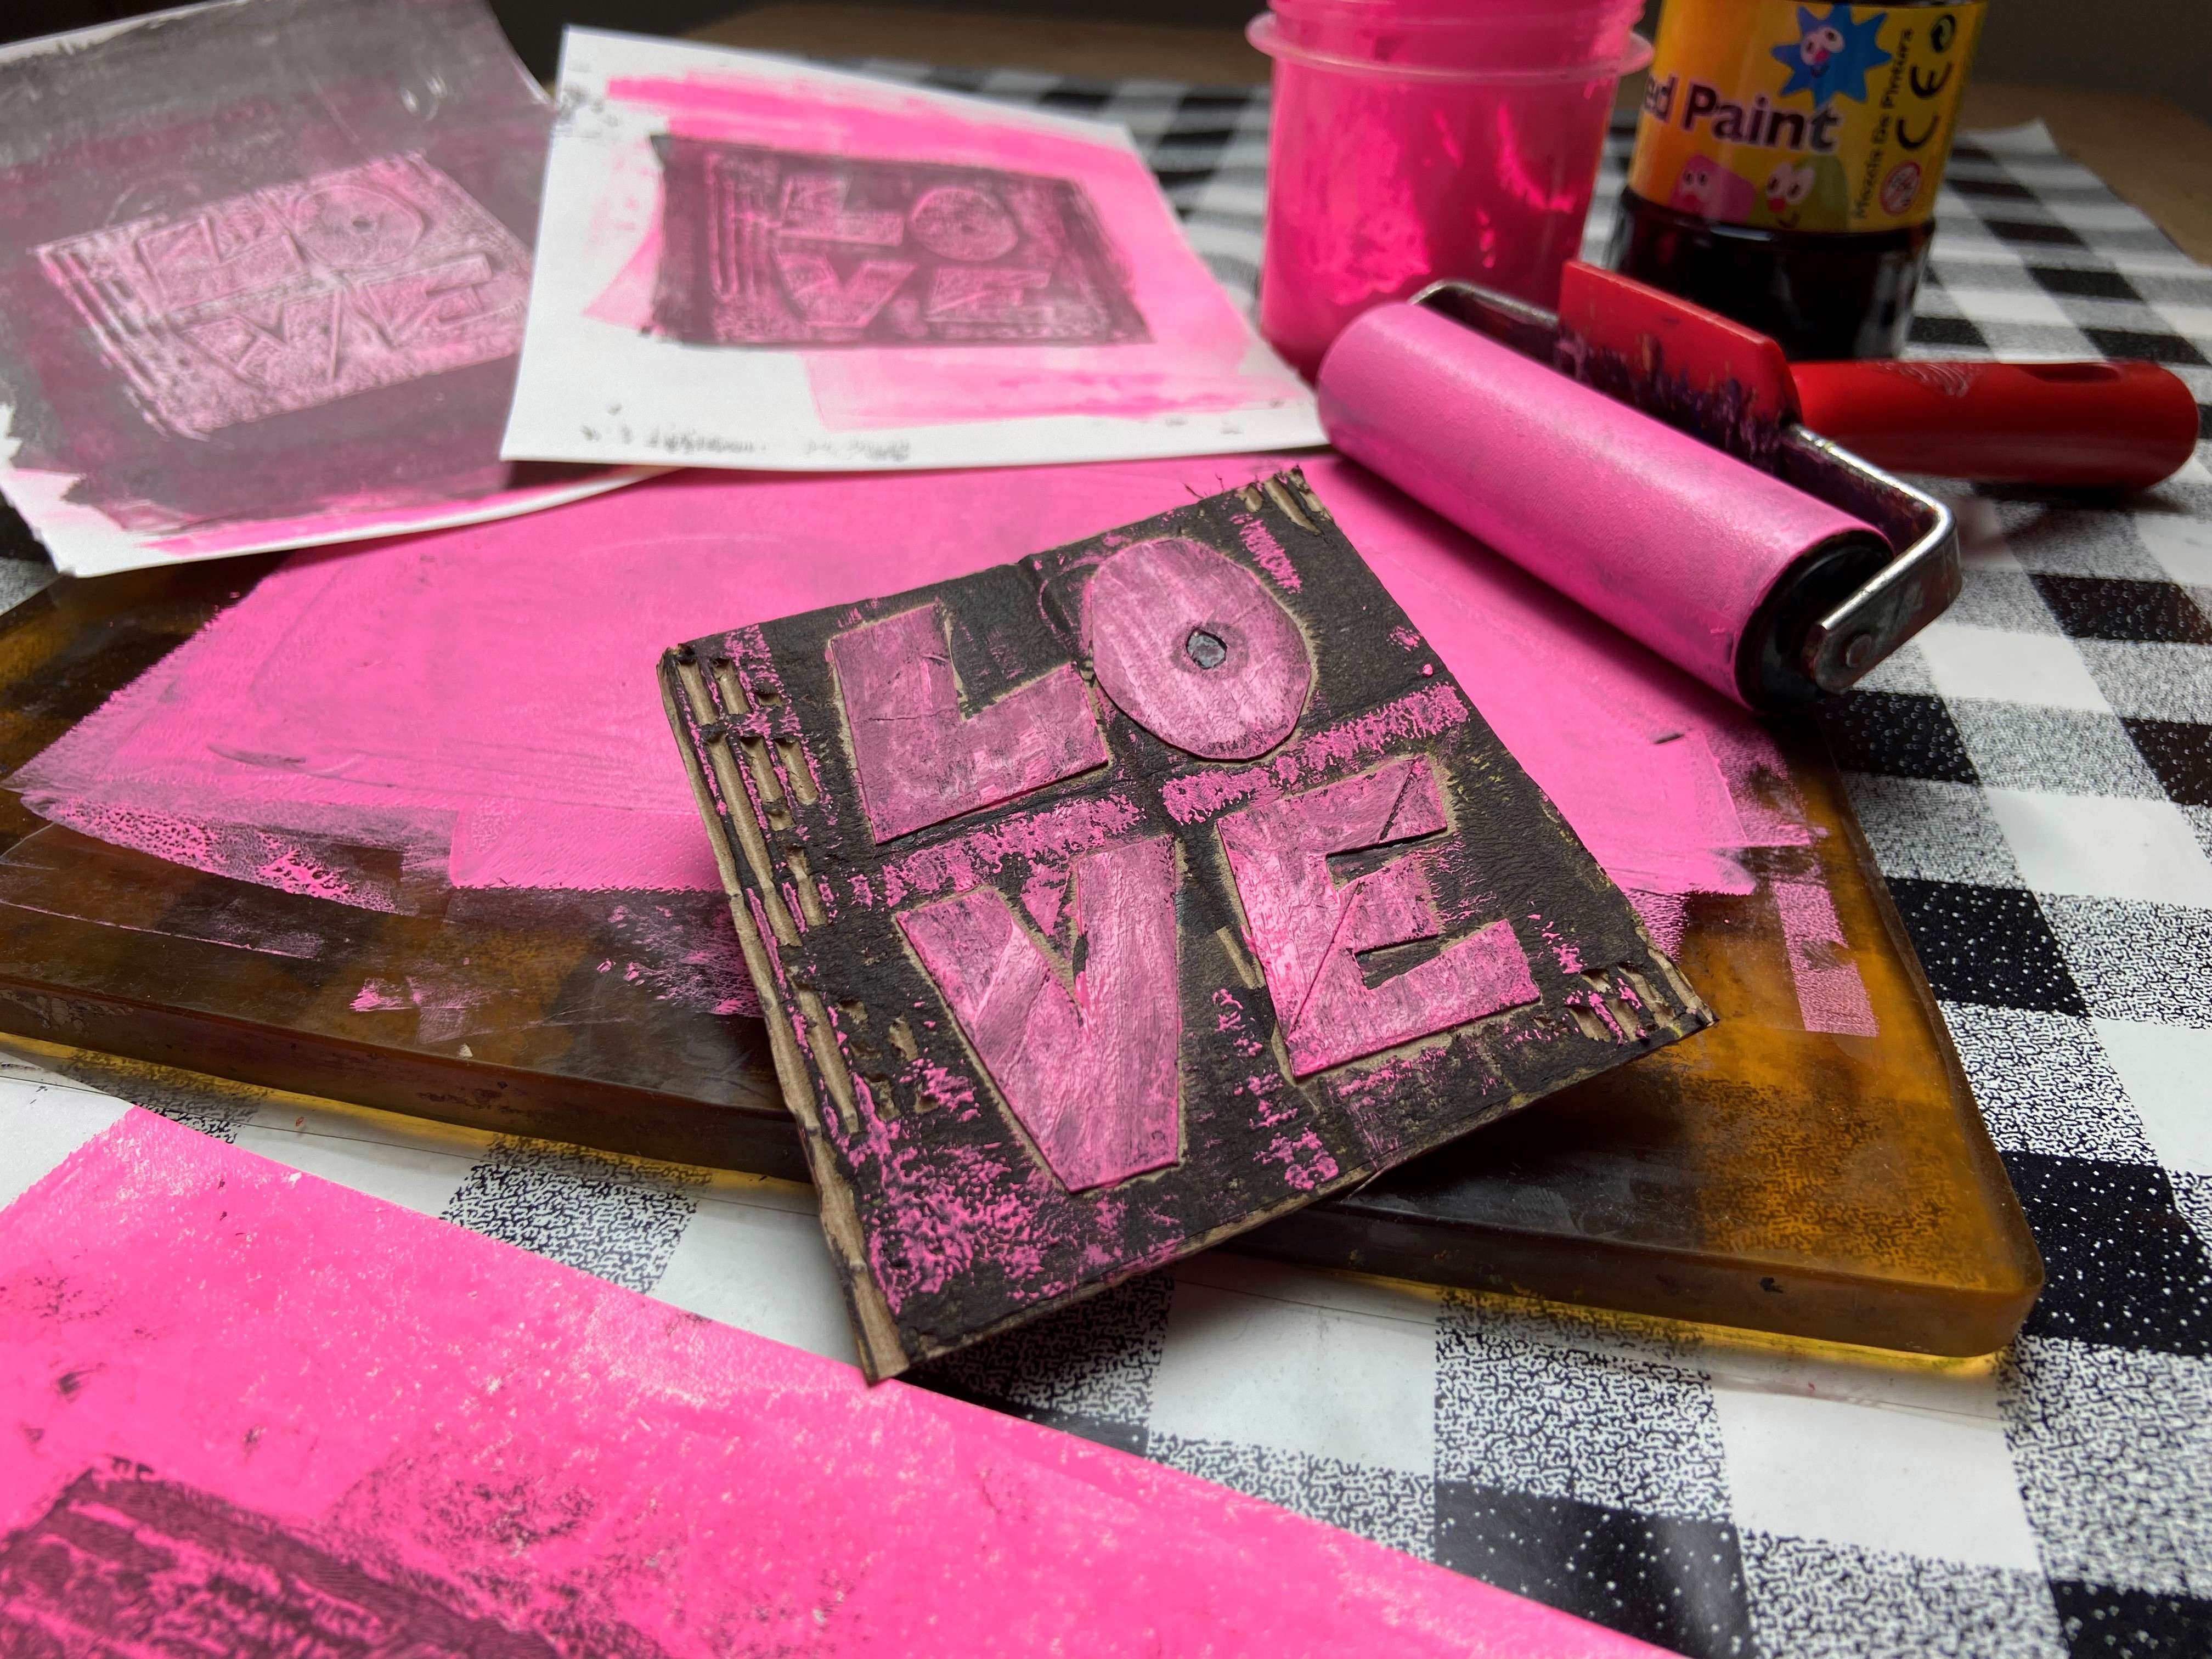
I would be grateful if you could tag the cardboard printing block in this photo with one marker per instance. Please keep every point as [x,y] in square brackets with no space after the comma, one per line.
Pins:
[1110,902]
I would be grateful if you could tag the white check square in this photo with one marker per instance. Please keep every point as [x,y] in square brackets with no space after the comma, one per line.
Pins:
[2103,847]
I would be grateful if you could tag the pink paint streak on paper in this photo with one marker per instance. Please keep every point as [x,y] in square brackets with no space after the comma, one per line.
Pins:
[329,1416]
[1087,1061]
[1192,648]
[372,698]
[1830,995]
[1310,931]
[1182,347]
[921,760]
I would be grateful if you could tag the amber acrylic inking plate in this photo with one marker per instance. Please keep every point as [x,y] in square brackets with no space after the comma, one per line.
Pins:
[1753,1175]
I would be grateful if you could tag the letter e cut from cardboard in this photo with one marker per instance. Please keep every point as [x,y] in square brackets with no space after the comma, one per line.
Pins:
[1109,903]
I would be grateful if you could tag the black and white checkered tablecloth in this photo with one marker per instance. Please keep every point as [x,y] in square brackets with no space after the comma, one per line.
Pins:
[2035,775]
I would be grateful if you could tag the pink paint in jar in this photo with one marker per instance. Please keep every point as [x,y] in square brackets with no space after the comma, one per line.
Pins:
[1414,139]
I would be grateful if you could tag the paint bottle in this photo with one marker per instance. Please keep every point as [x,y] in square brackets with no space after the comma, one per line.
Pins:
[1414,139]
[1787,163]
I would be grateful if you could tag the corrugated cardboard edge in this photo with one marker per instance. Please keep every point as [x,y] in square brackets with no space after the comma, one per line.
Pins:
[877,1333]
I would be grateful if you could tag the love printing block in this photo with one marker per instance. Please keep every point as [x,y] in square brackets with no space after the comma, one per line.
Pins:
[1111,903]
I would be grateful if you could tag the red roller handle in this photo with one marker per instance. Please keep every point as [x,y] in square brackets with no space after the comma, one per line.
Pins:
[2091,425]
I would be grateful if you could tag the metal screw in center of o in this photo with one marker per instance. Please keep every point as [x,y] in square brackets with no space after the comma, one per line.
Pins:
[1206,649]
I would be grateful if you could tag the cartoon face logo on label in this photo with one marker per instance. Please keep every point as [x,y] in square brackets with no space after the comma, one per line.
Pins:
[1710,190]
[297,294]
[1832,55]
[1807,195]
[768,247]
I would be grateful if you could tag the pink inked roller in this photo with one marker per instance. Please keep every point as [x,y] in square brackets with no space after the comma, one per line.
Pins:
[1774,565]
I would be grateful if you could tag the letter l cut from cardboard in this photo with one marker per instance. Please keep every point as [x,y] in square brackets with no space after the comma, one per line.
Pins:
[1109,903]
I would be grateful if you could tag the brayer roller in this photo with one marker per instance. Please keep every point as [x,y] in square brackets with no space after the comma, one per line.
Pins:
[1778,574]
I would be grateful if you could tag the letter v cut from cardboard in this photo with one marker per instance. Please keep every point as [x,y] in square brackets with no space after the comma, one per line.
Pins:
[1109,903]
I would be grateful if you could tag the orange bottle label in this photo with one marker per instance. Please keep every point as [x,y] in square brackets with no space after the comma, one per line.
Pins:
[1792,117]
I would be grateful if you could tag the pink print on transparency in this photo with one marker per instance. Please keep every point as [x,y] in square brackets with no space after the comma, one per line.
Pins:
[250,302]
[298,294]
[751,263]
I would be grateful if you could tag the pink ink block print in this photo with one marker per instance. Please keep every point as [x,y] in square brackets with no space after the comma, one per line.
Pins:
[249,1413]
[298,294]
[263,267]
[1229,1024]
[919,759]
[1194,648]
[768,248]
[128,1565]
[1310,929]
[1087,1068]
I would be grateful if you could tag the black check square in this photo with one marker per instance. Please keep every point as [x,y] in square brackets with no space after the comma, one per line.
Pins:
[1899,734]
[2158,346]
[2086,284]
[1677,1582]
[2180,753]
[2122,1264]
[2102,608]
[1996,189]
[2104,1622]
[2035,233]
[1987,944]
[1956,332]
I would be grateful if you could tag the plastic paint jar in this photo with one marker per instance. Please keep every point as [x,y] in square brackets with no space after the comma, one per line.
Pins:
[1414,139]
[1787,163]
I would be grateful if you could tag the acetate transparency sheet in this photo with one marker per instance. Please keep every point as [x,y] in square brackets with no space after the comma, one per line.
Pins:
[263,268]
[751,263]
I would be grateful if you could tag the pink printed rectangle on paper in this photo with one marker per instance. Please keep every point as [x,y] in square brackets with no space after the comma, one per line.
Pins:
[297,294]
[895,276]
[253,1412]
[762,246]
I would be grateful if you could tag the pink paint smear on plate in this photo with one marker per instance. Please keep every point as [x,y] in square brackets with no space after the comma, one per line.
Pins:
[485,698]
[1200,357]
[325,1415]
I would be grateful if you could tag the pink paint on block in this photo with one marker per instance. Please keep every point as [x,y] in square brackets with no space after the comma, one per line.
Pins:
[1425,714]
[1046,838]
[1086,1062]
[328,1415]
[1268,553]
[1193,649]
[920,761]
[1309,932]
[1830,995]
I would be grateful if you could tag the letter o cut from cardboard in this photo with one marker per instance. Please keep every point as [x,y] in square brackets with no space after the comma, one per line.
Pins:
[1194,648]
